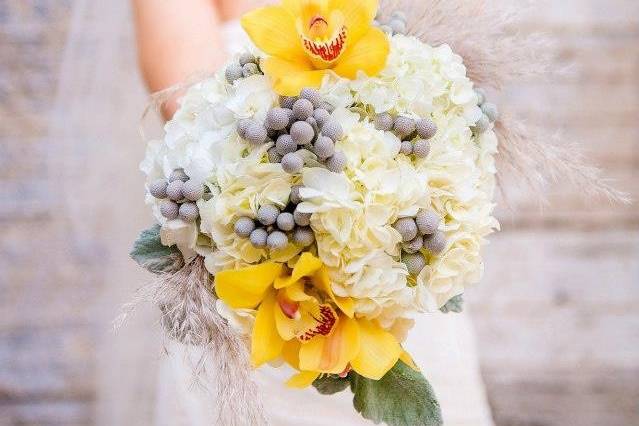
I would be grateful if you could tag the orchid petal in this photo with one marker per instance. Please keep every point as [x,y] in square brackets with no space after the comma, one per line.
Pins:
[272,29]
[368,55]
[333,353]
[379,351]
[289,78]
[302,379]
[266,343]
[245,288]
[358,16]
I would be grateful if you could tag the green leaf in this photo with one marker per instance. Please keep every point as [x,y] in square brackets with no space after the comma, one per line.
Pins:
[402,397]
[330,384]
[149,252]
[456,305]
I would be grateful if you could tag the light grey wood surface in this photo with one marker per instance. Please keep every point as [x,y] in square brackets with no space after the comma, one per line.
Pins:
[558,331]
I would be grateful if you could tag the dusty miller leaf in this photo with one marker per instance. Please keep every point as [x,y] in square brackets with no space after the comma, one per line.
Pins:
[402,397]
[149,252]
[456,305]
[330,384]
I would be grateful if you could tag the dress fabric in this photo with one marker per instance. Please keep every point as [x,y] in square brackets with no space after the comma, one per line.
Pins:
[442,345]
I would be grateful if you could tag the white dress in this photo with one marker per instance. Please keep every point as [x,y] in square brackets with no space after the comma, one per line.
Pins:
[442,345]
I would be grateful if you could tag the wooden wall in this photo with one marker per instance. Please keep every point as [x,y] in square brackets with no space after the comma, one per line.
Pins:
[555,315]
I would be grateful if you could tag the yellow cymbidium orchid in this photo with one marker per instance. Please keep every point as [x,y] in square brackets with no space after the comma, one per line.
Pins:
[301,320]
[306,39]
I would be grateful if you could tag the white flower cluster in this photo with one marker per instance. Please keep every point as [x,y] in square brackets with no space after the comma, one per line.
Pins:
[353,212]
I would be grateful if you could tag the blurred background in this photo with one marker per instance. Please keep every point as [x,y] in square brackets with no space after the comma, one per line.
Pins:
[556,316]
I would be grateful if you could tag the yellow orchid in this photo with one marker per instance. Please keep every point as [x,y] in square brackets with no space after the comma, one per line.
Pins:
[301,320]
[306,39]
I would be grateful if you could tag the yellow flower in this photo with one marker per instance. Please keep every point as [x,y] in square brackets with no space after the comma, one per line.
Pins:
[306,39]
[300,319]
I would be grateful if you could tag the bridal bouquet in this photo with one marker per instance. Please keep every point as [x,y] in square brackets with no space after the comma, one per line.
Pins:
[333,181]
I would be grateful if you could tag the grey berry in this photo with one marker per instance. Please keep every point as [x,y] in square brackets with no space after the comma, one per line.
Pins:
[415,263]
[427,222]
[302,132]
[404,126]
[483,124]
[398,26]
[384,121]
[313,122]
[273,155]
[302,219]
[414,245]
[259,238]
[174,190]
[189,212]
[256,133]
[426,128]
[233,72]
[285,145]
[250,69]
[491,111]
[333,130]
[302,109]
[247,58]
[267,214]
[277,240]
[292,163]
[295,194]
[178,174]
[321,116]
[406,148]
[244,227]
[435,243]
[285,222]
[324,147]
[312,95]
[242,126]
[287,102]
[303,236]
[337,163]
[158,188]
[277,118]
[421,149]
[169,209]
[407,228]
[193,190]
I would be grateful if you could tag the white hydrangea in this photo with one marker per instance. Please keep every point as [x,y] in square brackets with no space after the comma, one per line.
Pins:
[352,212]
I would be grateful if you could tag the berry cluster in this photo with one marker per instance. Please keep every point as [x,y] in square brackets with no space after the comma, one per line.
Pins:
[299,123]
[246,66]
[420,232]
[274,228]
[489,110]
[414,134]
[178,196]
[396,24]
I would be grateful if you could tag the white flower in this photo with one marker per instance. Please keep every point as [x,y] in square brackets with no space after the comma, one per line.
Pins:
[352,213]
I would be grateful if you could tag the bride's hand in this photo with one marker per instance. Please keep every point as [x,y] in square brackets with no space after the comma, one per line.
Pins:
[177,39]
